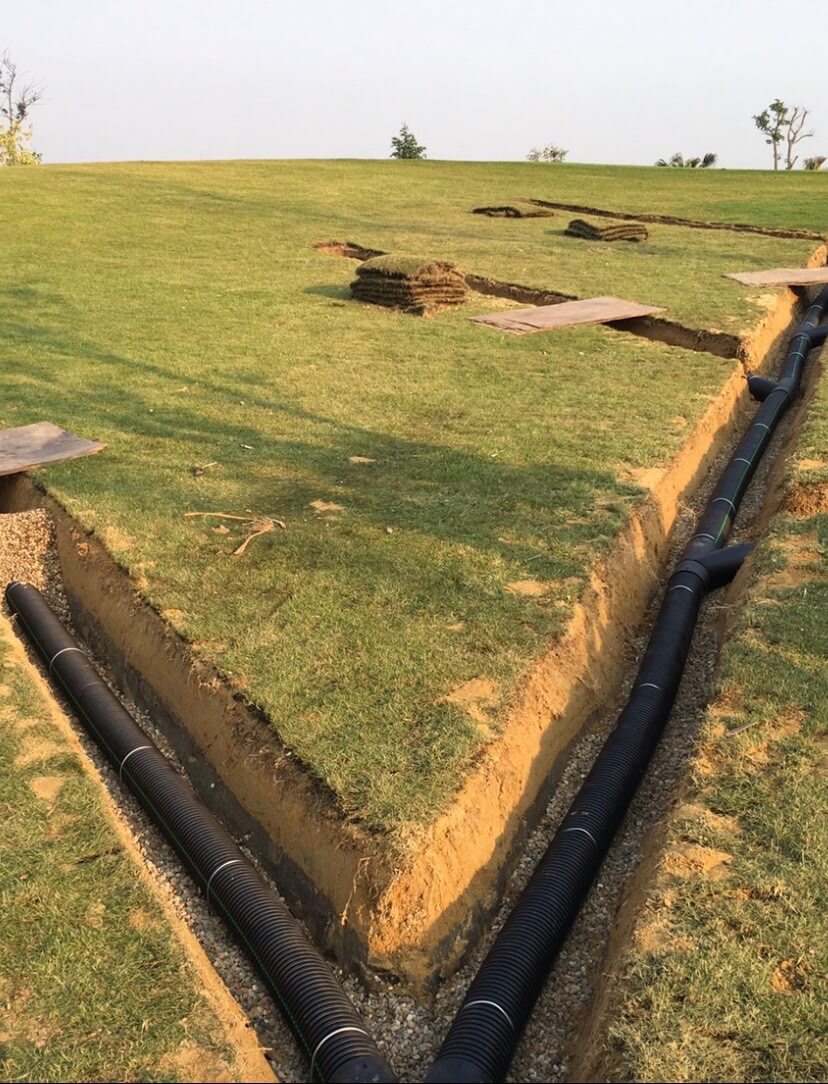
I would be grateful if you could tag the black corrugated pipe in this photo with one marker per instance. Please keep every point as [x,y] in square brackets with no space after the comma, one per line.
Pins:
[486,1029]
[717,518]
[328,1028]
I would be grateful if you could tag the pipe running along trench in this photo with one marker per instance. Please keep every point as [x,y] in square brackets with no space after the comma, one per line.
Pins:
[483,1036]
[328,1027]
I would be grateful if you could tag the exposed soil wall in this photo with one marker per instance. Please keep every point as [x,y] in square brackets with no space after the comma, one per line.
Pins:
[447,889]
[411,914]
[231,753]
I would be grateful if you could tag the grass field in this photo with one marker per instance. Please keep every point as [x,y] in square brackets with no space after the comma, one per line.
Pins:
[93,985]
[179,313]
[729,978]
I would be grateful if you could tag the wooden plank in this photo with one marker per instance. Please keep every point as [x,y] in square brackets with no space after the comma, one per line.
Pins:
[36,445]
[591,310]
[782,276]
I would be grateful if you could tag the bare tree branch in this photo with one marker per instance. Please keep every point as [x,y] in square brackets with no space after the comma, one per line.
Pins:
[16,106]
[29,96]
[795,134]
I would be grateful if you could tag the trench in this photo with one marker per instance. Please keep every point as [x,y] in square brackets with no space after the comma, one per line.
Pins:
[342,882]
[410,1030]
[656,328]
[396,919]
[132,833]
[480,1043]
[325,1023]
[383,1002]
[234,984]
[672,220]
[587,1054]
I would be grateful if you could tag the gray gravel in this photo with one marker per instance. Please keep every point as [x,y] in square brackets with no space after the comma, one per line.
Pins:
[562,1008]
[408,1032]
[28,553]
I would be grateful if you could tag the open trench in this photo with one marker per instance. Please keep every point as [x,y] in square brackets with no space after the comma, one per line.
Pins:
[673,220]
[561,1015]
[409,1031]
[657,328]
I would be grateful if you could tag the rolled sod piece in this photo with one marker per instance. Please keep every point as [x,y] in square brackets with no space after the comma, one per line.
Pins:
[620,231]
[411,283]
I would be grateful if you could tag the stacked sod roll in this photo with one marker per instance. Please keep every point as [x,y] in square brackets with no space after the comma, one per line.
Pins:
[410,283]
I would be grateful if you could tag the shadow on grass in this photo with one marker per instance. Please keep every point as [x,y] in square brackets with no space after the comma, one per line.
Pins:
[339,291]
[545,516]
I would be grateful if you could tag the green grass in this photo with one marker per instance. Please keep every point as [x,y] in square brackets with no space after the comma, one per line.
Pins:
[93,986]
[399,265]
[758,198]
[739,992]
[179,313]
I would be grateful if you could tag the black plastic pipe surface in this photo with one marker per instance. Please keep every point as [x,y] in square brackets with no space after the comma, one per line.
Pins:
[331,1033]
[486,1029]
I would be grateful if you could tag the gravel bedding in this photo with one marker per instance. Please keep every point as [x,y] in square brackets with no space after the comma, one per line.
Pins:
[409,1033]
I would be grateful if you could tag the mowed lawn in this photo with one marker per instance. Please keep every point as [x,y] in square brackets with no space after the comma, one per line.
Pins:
[730,982]
[179,313]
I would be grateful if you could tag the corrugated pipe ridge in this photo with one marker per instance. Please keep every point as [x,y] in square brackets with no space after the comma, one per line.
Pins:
[331,1033]
[488,1025]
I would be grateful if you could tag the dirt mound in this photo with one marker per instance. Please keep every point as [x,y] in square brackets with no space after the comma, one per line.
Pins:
[805,501]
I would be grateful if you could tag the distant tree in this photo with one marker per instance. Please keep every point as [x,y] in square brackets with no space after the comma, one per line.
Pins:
[781,124]
[15,103]
[771,122]
[549,153]
[405,145]
[813,164]
[678,161]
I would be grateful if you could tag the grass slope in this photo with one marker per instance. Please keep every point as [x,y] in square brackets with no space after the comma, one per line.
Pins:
[92,983]
[735,987]
[179,313]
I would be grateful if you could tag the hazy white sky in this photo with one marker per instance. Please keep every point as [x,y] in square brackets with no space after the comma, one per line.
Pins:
[625,81]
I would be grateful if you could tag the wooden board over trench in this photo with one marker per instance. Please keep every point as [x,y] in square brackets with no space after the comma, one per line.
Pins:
[591,310]
[38,444]
[782,276]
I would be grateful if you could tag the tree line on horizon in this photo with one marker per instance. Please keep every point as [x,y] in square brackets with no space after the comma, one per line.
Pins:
[782,126]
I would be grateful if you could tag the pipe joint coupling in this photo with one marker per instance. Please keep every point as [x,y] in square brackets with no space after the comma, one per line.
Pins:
[695,568]
[788,385]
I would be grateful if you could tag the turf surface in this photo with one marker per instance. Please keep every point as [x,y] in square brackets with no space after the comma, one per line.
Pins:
[179,313]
